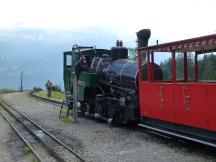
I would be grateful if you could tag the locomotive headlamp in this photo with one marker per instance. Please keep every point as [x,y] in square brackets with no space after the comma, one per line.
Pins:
[122,101]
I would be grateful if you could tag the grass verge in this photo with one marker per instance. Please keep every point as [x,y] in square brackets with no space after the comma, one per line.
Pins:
[56,95]
[5,90]
[34,159]
[26,149]
[66,120]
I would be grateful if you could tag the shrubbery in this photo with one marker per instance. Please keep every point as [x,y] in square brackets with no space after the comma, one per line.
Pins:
[5,90]
[37,89]
[56,88]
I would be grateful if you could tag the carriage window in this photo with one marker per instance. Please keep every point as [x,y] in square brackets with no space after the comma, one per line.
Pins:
[69,59]
[144,66]
[207,67]
[144,58]
[191,66]
[162,66]
[179,66]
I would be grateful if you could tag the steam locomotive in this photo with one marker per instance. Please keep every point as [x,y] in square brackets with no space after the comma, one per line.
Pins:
[108,82]
[115,89]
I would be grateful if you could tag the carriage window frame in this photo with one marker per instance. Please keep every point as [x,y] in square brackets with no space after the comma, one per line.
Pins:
[150,58]
[191,69]
[144,56]
[170,69]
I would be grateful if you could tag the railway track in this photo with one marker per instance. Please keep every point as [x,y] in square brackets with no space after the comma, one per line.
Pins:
[33,95]
[43,144]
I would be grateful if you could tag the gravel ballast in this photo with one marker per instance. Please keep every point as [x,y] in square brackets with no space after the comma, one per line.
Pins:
[96,141]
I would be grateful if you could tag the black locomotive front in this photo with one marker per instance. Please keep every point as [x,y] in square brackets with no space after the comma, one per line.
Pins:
[117,100]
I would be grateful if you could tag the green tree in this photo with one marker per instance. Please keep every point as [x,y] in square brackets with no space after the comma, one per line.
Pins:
[166,68]
[207,67]
[133,54]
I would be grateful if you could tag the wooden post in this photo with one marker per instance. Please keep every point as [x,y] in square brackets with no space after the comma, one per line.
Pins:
[196,66]
[149,66]
[173,66]
[185,67]
[152,67]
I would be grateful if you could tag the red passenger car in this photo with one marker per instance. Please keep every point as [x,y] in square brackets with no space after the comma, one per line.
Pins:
[183,101]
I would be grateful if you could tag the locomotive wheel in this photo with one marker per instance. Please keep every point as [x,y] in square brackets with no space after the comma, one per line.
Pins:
[111,113]
[99,109]
[83,108]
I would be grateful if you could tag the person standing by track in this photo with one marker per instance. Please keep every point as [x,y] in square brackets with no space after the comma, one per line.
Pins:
[49,88]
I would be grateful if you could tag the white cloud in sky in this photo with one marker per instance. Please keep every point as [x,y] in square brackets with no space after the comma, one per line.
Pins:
[168,19]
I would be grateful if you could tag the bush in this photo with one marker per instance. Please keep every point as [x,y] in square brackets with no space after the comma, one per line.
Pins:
[37,89]
[5,90]
[56,88]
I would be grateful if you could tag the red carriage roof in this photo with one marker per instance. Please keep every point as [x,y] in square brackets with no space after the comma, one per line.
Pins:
[204,43]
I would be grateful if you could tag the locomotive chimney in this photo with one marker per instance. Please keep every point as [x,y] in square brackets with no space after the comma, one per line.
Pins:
[143,37]
[120,43]
[117,43]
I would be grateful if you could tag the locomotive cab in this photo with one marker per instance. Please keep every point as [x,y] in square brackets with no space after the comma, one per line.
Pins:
[86,79]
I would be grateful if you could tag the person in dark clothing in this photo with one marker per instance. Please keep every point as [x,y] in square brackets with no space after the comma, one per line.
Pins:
[49,88]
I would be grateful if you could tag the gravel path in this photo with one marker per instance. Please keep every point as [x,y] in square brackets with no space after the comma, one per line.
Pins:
[11,146]
[96,141]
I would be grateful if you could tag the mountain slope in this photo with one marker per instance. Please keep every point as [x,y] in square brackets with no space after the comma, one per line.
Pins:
[39,54]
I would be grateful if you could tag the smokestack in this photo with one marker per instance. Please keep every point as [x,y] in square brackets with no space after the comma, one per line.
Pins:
[117,43]
[143,37]
[120,43]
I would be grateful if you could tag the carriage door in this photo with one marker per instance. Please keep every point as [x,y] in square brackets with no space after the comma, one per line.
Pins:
[190,96]
[161,87]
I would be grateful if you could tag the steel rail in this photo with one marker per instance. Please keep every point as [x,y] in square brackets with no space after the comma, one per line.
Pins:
[23,139]
[178,135]
[46,132]
[45,146]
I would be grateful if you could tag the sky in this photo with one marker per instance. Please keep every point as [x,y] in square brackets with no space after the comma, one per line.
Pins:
[169,20]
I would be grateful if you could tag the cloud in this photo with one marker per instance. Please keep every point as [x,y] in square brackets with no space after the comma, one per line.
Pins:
[168,19]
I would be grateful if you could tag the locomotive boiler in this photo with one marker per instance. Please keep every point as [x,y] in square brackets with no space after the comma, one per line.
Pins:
[117,100]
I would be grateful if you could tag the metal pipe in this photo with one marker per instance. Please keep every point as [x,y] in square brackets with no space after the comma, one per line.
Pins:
[107,83]
[74,81]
